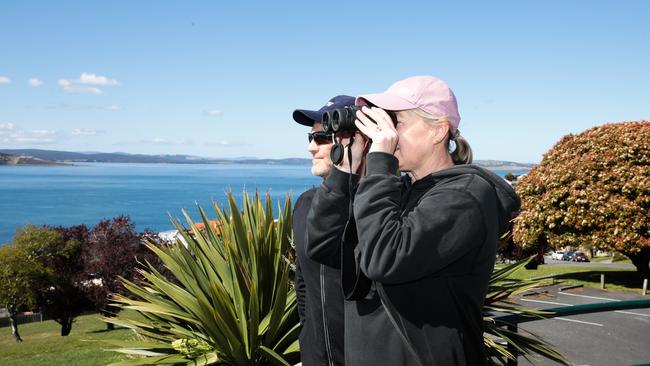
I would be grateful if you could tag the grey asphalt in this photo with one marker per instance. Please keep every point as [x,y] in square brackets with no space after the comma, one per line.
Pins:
[552,262]
[610,338]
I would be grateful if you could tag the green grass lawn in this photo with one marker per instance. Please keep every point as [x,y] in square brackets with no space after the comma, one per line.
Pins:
[624,279]
[611,259]
[43,344]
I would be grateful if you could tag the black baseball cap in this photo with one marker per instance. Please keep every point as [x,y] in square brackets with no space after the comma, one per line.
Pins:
[307,117]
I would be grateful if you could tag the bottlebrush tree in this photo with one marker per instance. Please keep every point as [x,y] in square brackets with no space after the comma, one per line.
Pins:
[592,190]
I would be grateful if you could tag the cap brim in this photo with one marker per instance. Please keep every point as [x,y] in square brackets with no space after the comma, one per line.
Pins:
[385,101]
[306,117]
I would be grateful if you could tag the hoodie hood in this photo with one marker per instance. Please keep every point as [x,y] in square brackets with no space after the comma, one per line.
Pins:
[509,201]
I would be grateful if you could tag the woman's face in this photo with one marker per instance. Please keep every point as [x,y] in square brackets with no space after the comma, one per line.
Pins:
[417,140]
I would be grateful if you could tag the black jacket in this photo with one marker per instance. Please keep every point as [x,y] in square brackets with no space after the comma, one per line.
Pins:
[420,268]
[320,299]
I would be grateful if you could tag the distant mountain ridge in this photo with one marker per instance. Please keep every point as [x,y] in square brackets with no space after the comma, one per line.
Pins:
[59,157]
[78,157]
[9,159]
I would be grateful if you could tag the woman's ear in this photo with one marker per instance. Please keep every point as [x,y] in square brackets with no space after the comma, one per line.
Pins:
[441,132]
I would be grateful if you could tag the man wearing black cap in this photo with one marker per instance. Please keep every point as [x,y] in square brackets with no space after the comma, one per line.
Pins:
[320,298]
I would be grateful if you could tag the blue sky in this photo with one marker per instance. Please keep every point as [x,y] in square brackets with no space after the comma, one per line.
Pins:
[220,79]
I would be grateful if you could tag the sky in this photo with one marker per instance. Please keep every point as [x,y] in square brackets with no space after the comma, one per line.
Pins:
[221,78]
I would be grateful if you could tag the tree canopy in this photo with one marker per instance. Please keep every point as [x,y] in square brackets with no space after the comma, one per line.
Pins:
[592,190]
[57,253]
[18,273]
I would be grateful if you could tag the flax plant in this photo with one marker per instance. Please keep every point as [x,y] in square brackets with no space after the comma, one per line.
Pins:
[229,302]
[500,289]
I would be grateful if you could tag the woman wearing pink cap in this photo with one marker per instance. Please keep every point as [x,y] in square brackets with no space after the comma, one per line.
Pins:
[416,251]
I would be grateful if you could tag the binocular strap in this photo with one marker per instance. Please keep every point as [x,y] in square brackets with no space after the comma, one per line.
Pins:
[355,284]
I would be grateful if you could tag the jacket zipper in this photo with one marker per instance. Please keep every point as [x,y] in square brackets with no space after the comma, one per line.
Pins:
[325,326]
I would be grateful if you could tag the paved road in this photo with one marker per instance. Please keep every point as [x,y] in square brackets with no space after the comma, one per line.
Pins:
[611,338]
[552,262]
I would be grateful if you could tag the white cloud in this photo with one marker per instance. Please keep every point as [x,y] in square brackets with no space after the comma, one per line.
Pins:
[93,79]
[77,89]
[85,132]
[81,85]
[226,143]
[4,80]
[10,134]
[214,112]
[69,87]
[73,107]
[6,127]
[32,137]
[35,82]
[164,141]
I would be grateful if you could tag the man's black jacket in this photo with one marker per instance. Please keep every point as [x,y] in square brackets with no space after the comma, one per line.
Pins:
[320,299]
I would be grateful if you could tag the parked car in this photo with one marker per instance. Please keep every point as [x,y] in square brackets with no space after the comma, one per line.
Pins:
[567,256]
[579,257]
[557,255]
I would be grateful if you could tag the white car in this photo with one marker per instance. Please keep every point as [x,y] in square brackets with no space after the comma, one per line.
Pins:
[557,255]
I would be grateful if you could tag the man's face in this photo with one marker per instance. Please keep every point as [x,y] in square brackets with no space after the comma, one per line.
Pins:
[321,163]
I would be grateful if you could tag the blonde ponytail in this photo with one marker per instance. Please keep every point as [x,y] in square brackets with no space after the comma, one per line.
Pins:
[462,154]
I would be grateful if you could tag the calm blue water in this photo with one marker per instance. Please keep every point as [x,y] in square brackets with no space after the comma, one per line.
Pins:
[87,193]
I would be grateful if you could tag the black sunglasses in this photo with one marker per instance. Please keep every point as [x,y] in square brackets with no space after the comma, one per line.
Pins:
[321,137]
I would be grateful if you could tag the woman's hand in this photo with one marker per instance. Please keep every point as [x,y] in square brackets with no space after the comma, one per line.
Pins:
[383,134]
[358,153]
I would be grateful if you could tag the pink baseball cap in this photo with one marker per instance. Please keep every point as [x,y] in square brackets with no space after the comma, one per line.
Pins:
[428,93]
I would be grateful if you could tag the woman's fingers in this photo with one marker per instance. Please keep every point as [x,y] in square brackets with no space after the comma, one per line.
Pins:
[365,125]
[380,116]
[378,126]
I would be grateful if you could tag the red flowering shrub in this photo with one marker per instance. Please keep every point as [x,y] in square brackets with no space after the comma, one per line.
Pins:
[593,190]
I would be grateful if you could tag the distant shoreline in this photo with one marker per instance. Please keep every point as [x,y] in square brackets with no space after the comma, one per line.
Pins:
[11,160]
[511,168]
[508,167]
[53,157]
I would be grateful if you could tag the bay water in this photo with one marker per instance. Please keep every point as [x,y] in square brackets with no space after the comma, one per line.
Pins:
[85,193]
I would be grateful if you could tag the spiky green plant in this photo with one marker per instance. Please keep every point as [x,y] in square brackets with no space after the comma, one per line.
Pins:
[229,302]
[500,288]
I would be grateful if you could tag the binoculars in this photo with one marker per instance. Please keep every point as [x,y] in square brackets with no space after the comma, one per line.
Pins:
[342,119]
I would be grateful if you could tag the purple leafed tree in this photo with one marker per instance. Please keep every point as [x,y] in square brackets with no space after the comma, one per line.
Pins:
[110,253]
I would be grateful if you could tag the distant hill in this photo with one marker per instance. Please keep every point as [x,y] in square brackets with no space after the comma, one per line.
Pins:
[8,159]
[99,157]
[503,165]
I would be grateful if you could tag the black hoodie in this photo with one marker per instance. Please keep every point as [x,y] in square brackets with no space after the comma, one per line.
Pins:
[418,273]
